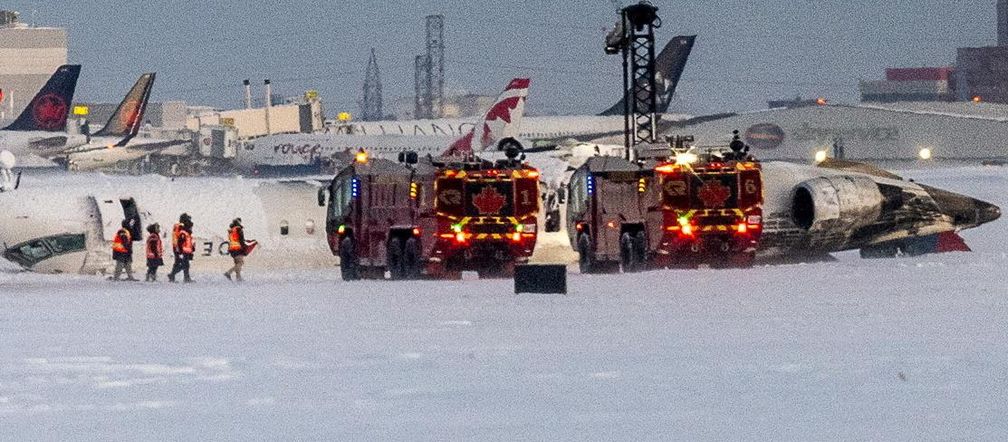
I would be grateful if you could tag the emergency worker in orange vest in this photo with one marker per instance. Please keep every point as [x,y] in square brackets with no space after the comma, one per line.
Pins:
[238,249]
[122,252]
[182,247]
[155,251]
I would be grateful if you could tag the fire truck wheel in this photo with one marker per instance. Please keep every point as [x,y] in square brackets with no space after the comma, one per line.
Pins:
[411,259]
[628,253]
[640,244]
[348,260]
[394,258]
[586,261]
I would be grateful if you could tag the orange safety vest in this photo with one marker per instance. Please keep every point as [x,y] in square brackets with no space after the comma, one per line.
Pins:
[155,248]
[185,242]
[234,240]
[175,236]
[117,244]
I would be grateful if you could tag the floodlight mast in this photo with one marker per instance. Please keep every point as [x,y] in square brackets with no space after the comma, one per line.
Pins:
[633,38]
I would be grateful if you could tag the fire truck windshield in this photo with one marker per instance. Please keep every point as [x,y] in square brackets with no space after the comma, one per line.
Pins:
[701,191]
[460,197]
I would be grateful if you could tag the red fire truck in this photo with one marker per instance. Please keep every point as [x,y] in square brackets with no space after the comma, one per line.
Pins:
[675,211]
[433,218]
[711,210]
[609,199]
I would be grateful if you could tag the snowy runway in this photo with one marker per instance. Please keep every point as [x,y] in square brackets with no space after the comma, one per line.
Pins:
[902,349]
[807,351]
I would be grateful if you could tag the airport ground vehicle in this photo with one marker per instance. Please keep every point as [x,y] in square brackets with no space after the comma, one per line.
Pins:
[433,218]
[671,211]
[609,200]
[711,211]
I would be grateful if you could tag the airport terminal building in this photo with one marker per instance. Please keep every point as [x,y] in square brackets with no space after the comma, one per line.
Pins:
[28,57]
[877,132]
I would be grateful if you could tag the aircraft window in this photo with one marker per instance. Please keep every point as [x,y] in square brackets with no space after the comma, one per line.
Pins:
[66,244]
[284,228]
[309,227]
[29,253]
[32,252]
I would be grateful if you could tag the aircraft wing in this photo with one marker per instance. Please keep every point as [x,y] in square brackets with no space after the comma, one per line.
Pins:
[854,166]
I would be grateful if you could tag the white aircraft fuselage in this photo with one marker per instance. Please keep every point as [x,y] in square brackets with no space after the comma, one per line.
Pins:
[66,224]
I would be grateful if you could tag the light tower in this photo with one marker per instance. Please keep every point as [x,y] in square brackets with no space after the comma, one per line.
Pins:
[371,107]
[435,64]
[428,80]
[633,38]
[421,101]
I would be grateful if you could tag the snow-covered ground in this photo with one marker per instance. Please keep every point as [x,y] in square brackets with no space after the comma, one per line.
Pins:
[903,349]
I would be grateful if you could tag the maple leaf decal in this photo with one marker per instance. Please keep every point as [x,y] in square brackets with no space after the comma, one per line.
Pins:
[50,111]
[489,201]
[714,194]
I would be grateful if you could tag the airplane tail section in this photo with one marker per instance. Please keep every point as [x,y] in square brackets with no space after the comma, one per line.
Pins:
[500,122]
[49,110]
[669,66]
[126,120]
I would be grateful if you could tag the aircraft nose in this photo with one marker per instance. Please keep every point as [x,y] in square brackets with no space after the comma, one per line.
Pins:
[987,212]
[966,212]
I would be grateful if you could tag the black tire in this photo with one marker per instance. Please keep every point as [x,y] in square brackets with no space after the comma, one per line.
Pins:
[411,259]
[628,253]
[348,260]
[586,260]
[394,257]
[640,246]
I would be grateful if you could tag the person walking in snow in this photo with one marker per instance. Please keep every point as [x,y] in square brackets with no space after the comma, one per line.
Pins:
[182,247]
[122,252]
[155,251]
[238,249]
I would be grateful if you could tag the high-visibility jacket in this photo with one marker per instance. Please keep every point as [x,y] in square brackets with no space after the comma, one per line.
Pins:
[123,241]
[236,239]
[185,242]
[155,248]
[175,237]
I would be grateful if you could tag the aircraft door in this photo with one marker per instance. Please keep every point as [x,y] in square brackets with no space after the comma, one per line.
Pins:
[132,214]
[112,212]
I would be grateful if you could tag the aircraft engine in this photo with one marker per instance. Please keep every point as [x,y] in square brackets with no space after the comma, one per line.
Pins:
[835,206]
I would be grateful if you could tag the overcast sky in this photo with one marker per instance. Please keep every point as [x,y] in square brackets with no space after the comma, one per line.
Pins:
[748,51]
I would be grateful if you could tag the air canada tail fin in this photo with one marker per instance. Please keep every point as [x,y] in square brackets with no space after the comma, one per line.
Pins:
[49,110]
[126,120]
[501,121]
[669,66]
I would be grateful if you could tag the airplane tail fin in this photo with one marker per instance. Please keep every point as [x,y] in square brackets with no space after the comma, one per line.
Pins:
[669,66]
[500,122]
[49,110]
[126,120]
